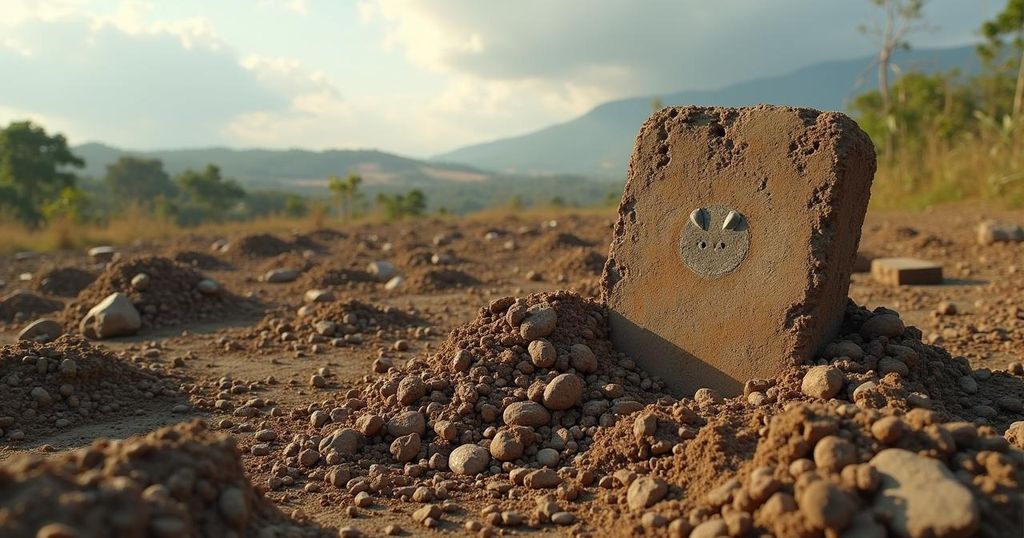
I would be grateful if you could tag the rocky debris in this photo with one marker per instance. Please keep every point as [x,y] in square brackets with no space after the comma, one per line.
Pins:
[184,480]
[41,330]
[21,305]
[63,281]
[113,316]
[68,383]
[990,232]
[176,294]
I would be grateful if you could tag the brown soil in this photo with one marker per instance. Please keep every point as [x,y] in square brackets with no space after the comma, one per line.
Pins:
[63,281]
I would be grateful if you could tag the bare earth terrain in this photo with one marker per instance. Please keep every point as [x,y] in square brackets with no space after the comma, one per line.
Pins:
[317,392]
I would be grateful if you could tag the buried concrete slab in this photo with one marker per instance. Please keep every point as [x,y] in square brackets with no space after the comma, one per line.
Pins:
[776,197]
[906,272]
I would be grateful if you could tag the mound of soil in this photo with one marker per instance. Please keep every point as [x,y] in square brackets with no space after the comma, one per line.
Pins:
[170,299]
[66,383]
[554,241]
[22,305]
[578,263]
[338,323]
[201,260]
[261,246]
[324,276]
[430,280]
[531,404]
[179,481]
[63,281]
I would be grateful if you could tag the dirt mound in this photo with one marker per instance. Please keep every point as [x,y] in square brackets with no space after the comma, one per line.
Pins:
[551,241]
[324,276]
[179,481]
[63,281]
[337,323]
[171,298]
[261,246]
[201,260]
[578,263]
[23,305]
[430,280]
[66,383]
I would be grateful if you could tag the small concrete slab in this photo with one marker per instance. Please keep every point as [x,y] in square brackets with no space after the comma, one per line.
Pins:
[906,272]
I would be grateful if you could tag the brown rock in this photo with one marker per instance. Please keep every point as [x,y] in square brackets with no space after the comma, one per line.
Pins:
[526,413]
[822,382]
[469,459]
[826,506]
[563,392]
[716,199]
[645,491]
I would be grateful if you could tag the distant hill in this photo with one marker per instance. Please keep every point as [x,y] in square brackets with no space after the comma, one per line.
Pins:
[291,169]
[598,143]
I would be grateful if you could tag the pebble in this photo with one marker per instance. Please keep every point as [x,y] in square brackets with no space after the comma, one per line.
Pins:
[832,453]
[506,446]
[542,353]
[889,325]
[542,479]
[469,459]
[539,322]
[406,447]
[826,506]
[563,518]
[526,413]
[547,457]
[645,492]
[582,358]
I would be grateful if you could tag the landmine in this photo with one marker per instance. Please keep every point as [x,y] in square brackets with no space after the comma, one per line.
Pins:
[736,236]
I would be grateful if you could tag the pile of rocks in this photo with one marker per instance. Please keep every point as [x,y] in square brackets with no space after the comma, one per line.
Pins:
[179,481]
[164,293]
[68,382]
[326,322]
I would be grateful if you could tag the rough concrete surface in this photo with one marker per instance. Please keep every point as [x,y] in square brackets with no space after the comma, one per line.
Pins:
[801,181]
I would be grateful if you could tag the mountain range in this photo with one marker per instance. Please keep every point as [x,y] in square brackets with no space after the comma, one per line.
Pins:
[598,143]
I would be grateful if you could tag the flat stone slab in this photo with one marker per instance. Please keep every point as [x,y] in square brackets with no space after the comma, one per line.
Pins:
[906,272]
[736,236]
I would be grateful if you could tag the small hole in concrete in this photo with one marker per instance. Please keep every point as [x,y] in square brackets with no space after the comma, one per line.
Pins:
[721,246]
[702,245]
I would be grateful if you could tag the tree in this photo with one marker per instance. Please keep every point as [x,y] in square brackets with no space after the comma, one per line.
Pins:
[1007,23]
[33,169]
[345,193]
[397,206]
[136,179]
[209,191]
[901,17]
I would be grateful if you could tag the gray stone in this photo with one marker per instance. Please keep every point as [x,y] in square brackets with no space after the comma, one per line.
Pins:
[41,330]
[281,276]
[469,459]
[113,316]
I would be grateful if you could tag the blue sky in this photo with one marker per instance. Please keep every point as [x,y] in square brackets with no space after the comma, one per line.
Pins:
[413,77]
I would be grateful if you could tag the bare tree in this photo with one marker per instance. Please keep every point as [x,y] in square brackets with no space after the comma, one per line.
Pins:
[902,17]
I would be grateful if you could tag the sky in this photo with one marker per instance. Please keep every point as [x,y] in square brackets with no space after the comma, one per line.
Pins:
[415,77]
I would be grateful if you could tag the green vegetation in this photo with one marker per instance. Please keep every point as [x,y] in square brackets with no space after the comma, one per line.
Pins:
[399,206]
[346,195]
[34,172]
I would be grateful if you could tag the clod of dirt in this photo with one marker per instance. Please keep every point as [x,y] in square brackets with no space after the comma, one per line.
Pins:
[67,383]
[427,280]
[172,297]
[200,260]
[63,281]
[179,481]
[261,246]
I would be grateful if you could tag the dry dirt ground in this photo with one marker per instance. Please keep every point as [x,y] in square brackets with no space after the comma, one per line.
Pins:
[259,366]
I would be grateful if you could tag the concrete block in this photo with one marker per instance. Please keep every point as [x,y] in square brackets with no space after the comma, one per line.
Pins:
[736,236]
[906,272]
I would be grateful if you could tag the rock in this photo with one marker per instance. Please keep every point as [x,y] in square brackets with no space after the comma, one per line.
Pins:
[102,254]
[113,316]
[406,447]
[325,327]
[542,353]
[547,457]
[506,446]
[539,322]
[41,330]
[946,308]
[318,296]
[526,414]
[822,382]
[644,492]
[410,390]
[208,286]
[280,276]
[140,282]
[826,506]
[382,270]
[832,453]
[890,364]
[882,325]
[344,441]
[684,280]
[407,422]
[427,511]
[563,392]
[369,425]
[394,283]
[542,479]
[920,497]
[888,430]
[582,358]
[996,232]
[563,518]
[469,459]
